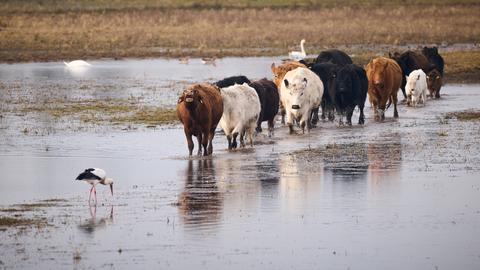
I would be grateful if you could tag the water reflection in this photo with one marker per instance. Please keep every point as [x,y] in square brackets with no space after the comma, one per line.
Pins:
[201,201]
[93,224]
[384,157]
[346,161]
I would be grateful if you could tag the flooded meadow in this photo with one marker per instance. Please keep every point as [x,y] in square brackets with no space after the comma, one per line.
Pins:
[403,194]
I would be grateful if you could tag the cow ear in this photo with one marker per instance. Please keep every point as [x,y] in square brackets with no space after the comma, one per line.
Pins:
[304,82]
[285,82]
[435,49]
[180,99]
[273,67]
[428,77]
[390,55]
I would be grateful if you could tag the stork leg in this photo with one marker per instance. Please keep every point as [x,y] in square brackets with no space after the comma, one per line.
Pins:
[95,193]
[90,195]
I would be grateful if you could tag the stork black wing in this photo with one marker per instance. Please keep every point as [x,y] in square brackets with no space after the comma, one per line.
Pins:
[87,174]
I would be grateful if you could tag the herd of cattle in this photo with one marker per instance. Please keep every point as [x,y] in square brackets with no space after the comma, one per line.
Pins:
[299,89]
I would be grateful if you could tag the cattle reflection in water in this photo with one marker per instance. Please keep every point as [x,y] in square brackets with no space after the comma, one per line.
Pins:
[346,161]
[201,201]
[89,226]
[384,158]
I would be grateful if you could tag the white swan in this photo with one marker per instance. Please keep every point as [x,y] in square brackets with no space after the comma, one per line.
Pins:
[77,63]
[296,55]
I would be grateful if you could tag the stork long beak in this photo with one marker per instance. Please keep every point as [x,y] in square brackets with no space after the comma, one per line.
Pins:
[111,188]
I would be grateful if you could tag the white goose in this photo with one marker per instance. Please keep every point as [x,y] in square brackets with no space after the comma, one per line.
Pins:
[94,176]
[296,55]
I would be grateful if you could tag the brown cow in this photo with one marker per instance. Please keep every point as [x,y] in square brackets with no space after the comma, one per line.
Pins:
[384,79]
[278,74]
[200,108]
[434,83]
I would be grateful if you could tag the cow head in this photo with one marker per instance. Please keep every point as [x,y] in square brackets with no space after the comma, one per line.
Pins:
[296,91]
[434,83]
[430,51]
[378,78]
[280,71]
[340,88]
[191,97]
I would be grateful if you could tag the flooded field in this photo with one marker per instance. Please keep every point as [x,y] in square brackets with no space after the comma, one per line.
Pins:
[404,194]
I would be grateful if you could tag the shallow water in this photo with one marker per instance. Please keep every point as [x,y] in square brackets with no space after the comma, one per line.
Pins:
[404,194]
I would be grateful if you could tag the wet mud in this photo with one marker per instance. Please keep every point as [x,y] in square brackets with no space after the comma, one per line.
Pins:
[360,197]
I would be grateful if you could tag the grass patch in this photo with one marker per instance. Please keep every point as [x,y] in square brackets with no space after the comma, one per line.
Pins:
[442,133]
[462,66]
[470,115]
[14,222]
[116,111]
[149,116]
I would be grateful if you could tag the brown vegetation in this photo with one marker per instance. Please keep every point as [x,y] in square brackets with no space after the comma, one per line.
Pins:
[178,32]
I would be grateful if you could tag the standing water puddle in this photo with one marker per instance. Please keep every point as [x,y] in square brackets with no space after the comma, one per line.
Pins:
[404,194]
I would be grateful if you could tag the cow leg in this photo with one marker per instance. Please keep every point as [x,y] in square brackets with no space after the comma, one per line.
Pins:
[404,83]
[199,139]
[258,129]
[230,144]
[242,138]
[210,139]
[189,142]
[314,117]
[271,123]
[324,107]
[204,144]
[437,94]
[349,116]
[290,122]
[361,118]
[250,135]
[395,112]
[234,140]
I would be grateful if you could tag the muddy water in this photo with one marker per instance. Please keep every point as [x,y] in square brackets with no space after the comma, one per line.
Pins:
[404,194]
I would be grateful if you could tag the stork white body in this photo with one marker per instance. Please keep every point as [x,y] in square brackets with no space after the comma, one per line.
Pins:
[296,55]
[94,176]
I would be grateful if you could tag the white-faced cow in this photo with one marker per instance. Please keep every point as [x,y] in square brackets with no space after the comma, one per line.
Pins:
[416,88]
[301,91]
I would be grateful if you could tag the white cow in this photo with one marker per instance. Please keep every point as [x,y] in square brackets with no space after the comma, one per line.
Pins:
[416,88]
[301,91]
[241,109]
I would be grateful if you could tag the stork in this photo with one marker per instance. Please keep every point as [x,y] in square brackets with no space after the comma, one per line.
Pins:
[94,176]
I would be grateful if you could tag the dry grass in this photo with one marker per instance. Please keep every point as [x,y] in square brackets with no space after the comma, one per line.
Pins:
[470,115]
[462,67]
[109,110]
[220,32]
[14,222]
[9,6]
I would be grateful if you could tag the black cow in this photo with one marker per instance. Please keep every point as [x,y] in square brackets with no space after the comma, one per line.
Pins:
[408,62]
[269,101]
[325,72]
[334,56]
[435,59]
[348,89]
[229,81]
